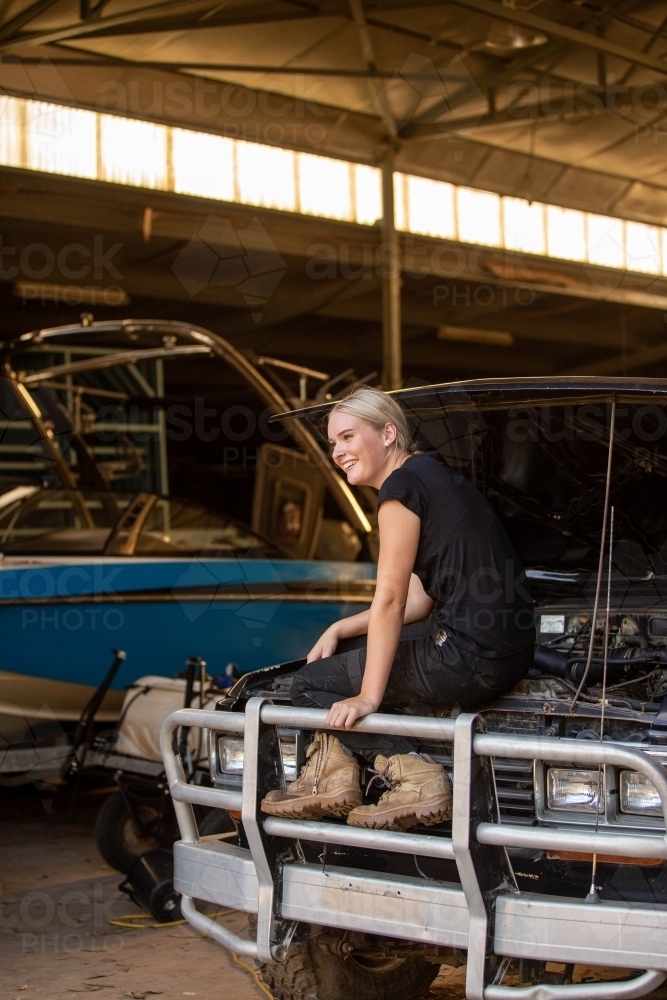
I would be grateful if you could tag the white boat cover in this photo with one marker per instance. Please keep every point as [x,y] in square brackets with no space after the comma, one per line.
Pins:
[146,704]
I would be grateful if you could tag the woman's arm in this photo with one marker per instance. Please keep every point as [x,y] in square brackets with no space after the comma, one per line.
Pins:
[418,607]
[399,539]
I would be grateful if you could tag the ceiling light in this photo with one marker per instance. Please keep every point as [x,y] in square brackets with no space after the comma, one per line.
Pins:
[494,338]
[506,37]
[519,271]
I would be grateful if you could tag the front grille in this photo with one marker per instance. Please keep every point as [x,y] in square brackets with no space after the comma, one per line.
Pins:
[515,789]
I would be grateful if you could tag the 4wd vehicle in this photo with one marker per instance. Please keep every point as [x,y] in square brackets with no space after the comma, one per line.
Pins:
[557,848]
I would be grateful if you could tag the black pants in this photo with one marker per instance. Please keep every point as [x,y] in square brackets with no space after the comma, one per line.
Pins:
[422,674]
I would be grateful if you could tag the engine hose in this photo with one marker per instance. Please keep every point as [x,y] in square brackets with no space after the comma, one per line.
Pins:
[616,669]
[620,661]
[558,663]
[551,661]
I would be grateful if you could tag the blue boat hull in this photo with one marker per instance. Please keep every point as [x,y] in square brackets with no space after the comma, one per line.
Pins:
[59,619]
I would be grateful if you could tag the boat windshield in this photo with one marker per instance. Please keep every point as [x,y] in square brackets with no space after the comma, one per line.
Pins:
[85,522]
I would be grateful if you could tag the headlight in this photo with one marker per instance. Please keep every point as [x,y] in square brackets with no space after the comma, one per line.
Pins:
[638,795]
[288,754]
[576,790]
[230,755]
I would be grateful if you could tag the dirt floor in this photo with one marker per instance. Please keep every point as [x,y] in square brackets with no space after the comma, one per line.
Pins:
[57,898]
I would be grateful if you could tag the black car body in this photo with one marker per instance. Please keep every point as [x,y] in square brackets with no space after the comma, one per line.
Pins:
[577,471]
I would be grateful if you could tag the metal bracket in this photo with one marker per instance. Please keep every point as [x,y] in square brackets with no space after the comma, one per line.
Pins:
[262,773]
[484,873]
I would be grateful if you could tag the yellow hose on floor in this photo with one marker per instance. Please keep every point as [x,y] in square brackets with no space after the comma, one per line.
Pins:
[255,975]
[132,921]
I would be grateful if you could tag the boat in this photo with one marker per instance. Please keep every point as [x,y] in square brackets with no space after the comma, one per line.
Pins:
[94,557]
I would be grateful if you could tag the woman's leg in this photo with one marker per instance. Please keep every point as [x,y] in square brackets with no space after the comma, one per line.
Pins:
[329,783]
[450,676]
[418,791]
[322,683]
[422,673]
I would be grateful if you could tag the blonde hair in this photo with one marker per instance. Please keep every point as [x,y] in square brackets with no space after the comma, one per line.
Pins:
[377,409]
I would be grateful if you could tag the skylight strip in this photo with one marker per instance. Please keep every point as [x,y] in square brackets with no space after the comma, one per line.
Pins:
[77,142]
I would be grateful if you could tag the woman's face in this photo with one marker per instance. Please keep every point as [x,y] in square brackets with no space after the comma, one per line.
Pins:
[360,450]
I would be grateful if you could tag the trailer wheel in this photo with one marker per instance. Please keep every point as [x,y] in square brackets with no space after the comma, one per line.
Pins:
[119,841]
[308,973]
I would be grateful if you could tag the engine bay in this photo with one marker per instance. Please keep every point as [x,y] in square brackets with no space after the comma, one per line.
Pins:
[636,669]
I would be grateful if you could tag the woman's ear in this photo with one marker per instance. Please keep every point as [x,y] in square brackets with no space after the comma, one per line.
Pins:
[389,434]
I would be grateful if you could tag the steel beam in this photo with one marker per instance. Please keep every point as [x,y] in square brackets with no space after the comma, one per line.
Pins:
[392,360]
[516,114]
[87,28]
[188,64]
[29,14]
[143,20]
[262,855]
[550,839]
[379,96]
[491,80]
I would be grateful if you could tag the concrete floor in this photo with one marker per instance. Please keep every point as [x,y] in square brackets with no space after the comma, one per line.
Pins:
[58,895]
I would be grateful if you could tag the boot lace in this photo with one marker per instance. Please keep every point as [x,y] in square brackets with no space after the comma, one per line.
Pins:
[383,778]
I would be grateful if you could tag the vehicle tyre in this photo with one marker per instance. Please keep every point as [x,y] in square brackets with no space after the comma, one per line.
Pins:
[119,841]
[216,821]
[309,973]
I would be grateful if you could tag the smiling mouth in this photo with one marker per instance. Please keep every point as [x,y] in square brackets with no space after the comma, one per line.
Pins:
[349,465]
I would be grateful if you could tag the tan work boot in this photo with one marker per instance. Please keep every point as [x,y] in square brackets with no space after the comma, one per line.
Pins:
[329,784]
[418,792]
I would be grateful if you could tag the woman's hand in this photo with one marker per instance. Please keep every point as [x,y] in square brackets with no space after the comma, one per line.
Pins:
[344,714]
[326,644]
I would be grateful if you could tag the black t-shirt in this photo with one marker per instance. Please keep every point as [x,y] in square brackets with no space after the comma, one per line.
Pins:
[465,560]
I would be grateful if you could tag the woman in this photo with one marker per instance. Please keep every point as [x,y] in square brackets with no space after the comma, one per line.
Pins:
[451,623]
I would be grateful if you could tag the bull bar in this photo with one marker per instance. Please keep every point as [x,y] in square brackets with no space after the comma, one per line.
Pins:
[485,914]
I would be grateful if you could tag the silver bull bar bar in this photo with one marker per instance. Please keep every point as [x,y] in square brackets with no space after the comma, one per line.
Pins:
[484,914]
